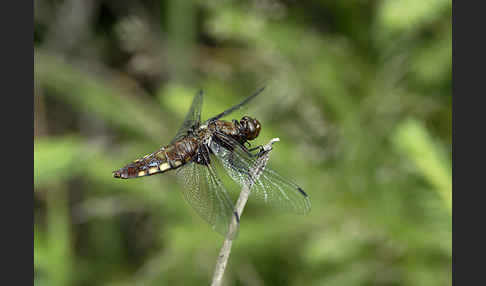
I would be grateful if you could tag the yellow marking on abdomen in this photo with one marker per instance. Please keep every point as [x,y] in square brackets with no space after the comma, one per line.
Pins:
[177,163]
[141,173]
[153,170]
[160,155]
[164,166]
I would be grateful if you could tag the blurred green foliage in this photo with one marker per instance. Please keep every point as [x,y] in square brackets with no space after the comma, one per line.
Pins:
[359,93]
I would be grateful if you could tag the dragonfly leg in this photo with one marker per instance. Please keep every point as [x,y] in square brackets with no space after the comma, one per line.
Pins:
[260,149]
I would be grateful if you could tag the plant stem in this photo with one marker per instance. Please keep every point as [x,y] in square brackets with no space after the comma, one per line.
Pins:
[225,251]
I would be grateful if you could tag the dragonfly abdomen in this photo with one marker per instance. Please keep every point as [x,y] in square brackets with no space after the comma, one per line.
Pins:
[167,158]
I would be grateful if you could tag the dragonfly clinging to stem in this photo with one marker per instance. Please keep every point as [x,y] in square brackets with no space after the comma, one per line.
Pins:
[196,148]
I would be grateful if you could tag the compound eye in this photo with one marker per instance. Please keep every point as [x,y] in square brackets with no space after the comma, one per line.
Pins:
[253,129]
[257,126]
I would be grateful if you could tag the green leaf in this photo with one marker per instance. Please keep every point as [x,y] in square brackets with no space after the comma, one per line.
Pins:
[414,142]
[56,159]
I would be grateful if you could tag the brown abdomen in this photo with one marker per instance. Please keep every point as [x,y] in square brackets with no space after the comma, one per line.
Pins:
[163,160]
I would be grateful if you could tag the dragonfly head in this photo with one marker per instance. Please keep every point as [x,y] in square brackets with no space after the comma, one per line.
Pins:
[249,127]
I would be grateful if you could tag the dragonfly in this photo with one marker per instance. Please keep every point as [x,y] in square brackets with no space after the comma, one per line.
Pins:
[195,151]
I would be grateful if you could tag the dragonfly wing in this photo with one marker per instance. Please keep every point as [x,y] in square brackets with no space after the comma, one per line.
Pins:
[270,187]
[193,117]
[239,105]
[205,193]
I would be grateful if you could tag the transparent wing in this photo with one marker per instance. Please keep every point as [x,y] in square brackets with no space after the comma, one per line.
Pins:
[204,191]
[245,101]
[270,187]
[193,117]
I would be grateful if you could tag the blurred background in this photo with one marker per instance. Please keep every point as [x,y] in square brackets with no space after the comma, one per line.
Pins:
[359,93]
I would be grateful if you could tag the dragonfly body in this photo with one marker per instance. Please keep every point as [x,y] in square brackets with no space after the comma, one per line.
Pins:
[188,148]
[194,151]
